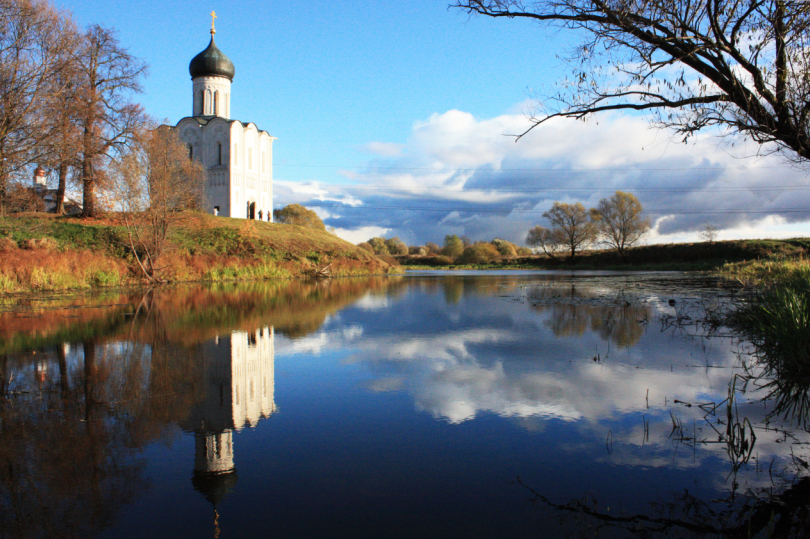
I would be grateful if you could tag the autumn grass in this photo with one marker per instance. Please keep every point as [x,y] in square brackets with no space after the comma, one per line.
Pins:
[41,252]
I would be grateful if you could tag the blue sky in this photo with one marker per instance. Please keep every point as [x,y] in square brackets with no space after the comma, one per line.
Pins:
[390,119]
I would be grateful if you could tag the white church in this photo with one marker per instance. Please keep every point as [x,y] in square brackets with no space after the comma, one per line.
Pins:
[237,156]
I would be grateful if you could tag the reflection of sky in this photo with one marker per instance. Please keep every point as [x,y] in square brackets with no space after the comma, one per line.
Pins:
[497,348]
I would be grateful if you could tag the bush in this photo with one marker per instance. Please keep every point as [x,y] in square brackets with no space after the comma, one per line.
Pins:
[417,251]
[504,247]
[7,244]
[40,243]
[480,253]
[396,246]
[436,260]
[295,214]
[367,246]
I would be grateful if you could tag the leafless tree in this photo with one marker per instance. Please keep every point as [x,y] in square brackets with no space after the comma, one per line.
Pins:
[152,183]
[33,39]
[741,66]
[60,150]
[708,233]
[620,221]
[107,118]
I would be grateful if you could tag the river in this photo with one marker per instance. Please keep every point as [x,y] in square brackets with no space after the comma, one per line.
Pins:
[434,404]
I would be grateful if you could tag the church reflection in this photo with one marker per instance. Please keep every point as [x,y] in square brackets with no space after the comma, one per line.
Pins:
[238,391]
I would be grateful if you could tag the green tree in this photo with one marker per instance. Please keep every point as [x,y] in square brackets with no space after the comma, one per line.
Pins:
[504,247]
[737,66]
[433,248]
[620,221]
[479,253]
[296,214]
[453,246]
[379,246]
[396,246]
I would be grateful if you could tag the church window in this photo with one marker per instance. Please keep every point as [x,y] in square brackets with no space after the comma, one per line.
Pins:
[190,151]
[214,103]
[201,103]
[219,153]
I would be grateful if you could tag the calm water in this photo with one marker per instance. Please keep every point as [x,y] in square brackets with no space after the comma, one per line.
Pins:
[429,405]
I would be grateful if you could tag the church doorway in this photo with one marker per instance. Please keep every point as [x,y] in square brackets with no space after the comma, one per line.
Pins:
[251,210]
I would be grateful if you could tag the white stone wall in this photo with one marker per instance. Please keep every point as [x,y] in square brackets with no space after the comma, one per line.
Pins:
[205,90]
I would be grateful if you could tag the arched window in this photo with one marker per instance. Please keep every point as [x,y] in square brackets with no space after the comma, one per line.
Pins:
[214,103]
[219,153]
[190,151]
[201,103]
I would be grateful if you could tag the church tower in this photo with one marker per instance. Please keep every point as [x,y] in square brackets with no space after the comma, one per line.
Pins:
[211,76]
[237,156]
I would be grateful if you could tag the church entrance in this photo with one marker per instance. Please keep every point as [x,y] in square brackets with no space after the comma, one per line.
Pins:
[251,210]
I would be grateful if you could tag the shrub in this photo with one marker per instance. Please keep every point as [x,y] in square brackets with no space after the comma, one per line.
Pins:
[40,243]
[437,260]
[480,253]
[7,244]
[504,247]
[367,246]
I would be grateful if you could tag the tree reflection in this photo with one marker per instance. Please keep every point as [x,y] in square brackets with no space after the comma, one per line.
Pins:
[780,515]
[574,310]
[75,415]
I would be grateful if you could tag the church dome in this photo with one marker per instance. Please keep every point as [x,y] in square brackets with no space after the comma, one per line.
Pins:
[211,63]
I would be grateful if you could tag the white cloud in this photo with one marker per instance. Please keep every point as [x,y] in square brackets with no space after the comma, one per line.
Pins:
[458,174]
[361,234]
[383,149]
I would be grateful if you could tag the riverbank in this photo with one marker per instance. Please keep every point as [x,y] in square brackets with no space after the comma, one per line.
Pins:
[750,261]
[42,252]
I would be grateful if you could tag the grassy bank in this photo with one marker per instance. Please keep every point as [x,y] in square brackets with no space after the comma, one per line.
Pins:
[41,252]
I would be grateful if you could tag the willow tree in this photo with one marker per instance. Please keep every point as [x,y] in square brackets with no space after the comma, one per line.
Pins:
[741,66]
[620,220]
[571,229]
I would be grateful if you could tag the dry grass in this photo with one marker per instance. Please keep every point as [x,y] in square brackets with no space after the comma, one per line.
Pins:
[42,252]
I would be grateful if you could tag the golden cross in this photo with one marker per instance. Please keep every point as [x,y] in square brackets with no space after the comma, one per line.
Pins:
[213,16]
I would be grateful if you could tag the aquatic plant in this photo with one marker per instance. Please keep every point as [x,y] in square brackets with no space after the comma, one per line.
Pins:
[777,322]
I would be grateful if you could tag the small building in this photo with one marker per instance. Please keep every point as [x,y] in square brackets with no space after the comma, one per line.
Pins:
[237,156]
[44,199]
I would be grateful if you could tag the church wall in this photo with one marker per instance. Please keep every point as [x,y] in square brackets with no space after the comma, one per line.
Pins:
[204,89]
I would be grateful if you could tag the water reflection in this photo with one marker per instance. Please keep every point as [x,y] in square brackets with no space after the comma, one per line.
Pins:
[397,398]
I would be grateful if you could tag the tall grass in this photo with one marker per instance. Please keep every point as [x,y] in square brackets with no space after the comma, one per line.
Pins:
[777,322]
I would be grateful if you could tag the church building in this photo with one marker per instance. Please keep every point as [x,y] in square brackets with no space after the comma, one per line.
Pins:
[237,156]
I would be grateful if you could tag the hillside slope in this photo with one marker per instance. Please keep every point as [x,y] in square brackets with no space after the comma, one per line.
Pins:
[42,252]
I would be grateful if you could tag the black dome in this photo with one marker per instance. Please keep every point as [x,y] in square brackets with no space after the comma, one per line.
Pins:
[211,63]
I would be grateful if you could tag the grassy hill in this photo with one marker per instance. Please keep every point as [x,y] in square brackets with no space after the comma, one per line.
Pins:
[43,252]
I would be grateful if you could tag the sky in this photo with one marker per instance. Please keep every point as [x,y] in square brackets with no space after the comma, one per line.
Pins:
[392,119]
